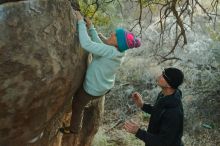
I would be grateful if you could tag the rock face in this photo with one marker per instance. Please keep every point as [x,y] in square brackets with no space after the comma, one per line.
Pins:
[41,67]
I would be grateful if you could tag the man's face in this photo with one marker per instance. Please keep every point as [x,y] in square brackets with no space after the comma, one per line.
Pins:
[162,82]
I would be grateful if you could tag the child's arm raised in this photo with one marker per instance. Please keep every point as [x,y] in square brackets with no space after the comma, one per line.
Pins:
[98,49]
[92,31]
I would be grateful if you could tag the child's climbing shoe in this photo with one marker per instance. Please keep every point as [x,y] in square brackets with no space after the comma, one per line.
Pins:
[66,130]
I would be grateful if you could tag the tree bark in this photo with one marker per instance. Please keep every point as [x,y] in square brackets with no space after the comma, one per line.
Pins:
[91,121]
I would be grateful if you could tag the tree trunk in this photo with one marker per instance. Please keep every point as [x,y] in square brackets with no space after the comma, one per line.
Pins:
[90,124]
[91,121]
[41,67]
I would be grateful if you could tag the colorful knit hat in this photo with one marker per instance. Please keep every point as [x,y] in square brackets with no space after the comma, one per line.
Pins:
[126,40]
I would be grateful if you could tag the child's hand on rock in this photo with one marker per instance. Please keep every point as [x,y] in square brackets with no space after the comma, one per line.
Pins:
[78,15]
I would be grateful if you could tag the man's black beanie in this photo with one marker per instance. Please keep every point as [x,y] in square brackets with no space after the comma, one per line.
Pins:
[173,76]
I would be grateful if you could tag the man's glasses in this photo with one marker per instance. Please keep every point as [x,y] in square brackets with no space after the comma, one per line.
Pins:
[164,75]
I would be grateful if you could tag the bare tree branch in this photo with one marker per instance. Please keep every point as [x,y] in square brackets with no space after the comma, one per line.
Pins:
[204,10]
[121,8]
[179,9]
[139,19]
[164,59]
[215,9]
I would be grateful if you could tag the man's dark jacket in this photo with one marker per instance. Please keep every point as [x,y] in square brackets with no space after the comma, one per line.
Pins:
[166,122]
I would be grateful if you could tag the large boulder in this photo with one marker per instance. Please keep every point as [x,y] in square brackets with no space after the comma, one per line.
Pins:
[41,66]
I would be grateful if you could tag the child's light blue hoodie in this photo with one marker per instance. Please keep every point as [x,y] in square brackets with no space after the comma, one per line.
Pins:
[100,75]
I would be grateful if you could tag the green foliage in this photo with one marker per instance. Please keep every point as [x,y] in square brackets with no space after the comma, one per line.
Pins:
[215,35]
[91,12]
[153,5]
[100,139]
[104,15]
[146,116]
[121,138]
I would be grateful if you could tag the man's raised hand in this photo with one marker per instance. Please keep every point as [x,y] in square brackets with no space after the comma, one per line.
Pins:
[137,98]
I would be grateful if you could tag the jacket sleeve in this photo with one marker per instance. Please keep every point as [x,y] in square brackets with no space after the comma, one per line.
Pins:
[170,124]
[147,108]
[98,49]
[94,35]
